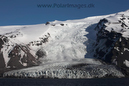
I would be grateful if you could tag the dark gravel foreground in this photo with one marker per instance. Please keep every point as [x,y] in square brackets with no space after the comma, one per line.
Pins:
[65,82]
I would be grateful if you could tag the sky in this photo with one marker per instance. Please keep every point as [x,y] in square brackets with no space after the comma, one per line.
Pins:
[27,12]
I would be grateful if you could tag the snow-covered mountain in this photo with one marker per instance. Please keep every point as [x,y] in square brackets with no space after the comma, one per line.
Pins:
[66,49]
[113,39]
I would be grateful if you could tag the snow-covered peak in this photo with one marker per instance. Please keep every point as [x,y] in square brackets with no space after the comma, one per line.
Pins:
[118,23]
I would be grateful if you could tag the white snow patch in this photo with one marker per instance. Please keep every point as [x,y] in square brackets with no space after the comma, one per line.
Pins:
[126,62]
[126,49]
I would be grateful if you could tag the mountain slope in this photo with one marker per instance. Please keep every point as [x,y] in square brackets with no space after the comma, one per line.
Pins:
[59,40]
[67,47]
[113,39]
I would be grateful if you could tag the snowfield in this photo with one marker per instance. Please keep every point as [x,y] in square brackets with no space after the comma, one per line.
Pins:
[66,42]
[68,48]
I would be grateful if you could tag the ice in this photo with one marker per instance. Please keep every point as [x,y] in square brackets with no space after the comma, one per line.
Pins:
[69,43]
[90,69]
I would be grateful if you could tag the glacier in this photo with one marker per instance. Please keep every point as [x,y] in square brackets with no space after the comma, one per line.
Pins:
[64,70]
[65,49]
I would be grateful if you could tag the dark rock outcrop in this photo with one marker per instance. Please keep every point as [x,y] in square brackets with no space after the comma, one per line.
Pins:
[41,53]
[17,61]
[14,56]
[2,61]
[47,23]
[62,24]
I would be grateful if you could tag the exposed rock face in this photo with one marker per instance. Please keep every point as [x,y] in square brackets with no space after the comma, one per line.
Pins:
[47,23]
[112,44]
[17,61]
[16,56]
[2,62]
[41,53]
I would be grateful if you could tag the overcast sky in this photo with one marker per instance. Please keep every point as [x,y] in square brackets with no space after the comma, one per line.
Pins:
[26,12]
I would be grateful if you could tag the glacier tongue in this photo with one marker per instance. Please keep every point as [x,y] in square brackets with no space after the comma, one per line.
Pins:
[88,68]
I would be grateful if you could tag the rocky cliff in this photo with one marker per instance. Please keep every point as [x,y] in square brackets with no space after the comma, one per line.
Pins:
[112,43]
